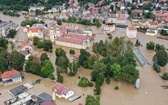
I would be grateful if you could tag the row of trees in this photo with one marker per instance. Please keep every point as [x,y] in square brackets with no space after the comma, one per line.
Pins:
[30,22]
[10,13]
[42,67]
[152,46]
[47,45]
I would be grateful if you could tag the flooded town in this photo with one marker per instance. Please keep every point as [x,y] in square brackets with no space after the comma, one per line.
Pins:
[26,85]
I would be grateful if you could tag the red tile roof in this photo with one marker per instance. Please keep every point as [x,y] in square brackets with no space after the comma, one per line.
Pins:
[78,36]
[153,23]
[137,11]
[70,40]
[8,74]
[33,29]
[61,89]
[131,27]
[23,44]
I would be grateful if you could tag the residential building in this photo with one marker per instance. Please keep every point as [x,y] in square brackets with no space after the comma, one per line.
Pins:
[131,31]
[88,31]
[153,24]
[57,8]
[11,77]
[62,91]
[152,32]
[26,46]
[78,41]
[109,27]
[36,7]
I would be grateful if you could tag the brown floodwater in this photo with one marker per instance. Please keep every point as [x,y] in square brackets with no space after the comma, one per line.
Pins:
[150,92]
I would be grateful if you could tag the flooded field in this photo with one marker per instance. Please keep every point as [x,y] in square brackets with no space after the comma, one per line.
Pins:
[150,92]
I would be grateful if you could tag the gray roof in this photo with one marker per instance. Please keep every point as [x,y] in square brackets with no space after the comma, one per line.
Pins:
[57,6]
[45,96]
[18,90]
[16,76]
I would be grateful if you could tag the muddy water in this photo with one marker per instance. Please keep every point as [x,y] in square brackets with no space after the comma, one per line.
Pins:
[150,92]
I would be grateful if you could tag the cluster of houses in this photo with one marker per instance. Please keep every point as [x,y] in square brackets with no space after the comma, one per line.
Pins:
[21,96]
[5,27]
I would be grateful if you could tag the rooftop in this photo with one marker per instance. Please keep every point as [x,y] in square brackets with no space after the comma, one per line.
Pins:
[9,74]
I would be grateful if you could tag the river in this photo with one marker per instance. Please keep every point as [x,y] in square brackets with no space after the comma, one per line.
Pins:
[150,92]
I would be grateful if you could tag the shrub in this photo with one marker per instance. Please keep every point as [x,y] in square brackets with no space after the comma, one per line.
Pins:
[165,76]
[39,44]
[116,87]
[72,51]
[84,82]
[156,67]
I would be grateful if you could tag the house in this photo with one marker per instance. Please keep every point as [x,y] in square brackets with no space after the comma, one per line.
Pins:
[26,46]
[131,31]
[57,8]
[36,7]
[88,31]
[11,77]
[138,12]
[33,31]
[62,91]
[152,32]
[109,27]
[153,24]
[74,40]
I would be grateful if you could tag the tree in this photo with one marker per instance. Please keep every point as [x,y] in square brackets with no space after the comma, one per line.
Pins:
[129,73]
[17,60]
[159,47]
[150,45]
[3,64]
[73,68]
[94,74]
[35,40]
[156,67]
[84,82]
[97,89]
[39,44]
[47,68]
[91,100]
[162,57]
[60,52]
[108,80]
[47,45]
[116,70]
[91,61]
[43,57]
[62,62]
[60,78]
[165,76]
[12,33]
[83,58]
[100,79]
[59,22]
[3,43]
[72,51]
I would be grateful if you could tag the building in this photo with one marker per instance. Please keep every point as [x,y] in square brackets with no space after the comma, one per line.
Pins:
[88,31]
[36,7]
[78,41]
[109,27]
[62,91]
[152,32]
[153,24]
[11,77]
[57,8]
[131,31]
[26,46]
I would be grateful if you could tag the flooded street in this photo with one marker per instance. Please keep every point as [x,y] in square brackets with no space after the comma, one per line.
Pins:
[150,92]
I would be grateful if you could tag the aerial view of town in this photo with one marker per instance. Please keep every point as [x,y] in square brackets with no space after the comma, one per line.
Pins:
[83,52]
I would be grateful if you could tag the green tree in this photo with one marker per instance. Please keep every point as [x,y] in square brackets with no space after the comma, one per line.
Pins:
[71,51]
[62,62]
[97,89]
[73,68]
[91,61]
[59,22]
[129,73]
[159,47]
[150,45]
[91,100]
[162,57]
[60,78]
[83,58]
[116,70]
[99,67]
[60,52]
[3,64]
[47,45]
[43,57]
[35,40]
[156,67]
[108,80]
[165,76]
[17,60]
[39,44]
[3,43]
[12,33]
[84,82]
[100,79]
[47,68]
